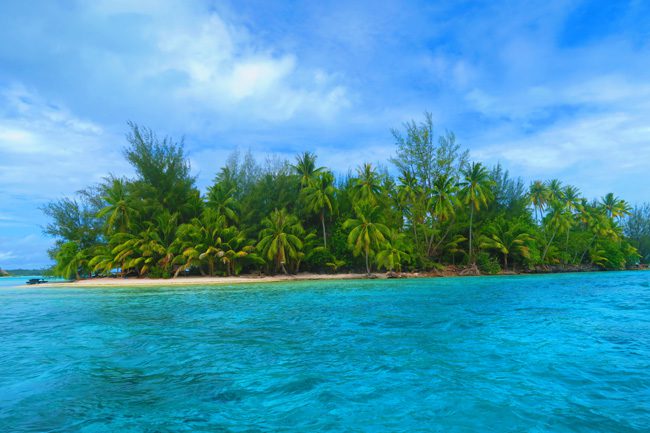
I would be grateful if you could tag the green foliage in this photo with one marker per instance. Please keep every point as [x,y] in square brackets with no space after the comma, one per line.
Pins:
[487,264]
[637,230]
[367,233]
[280,242]
[280,217]
[71,261]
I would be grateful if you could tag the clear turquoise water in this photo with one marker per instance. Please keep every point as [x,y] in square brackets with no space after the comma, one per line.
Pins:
[554,353]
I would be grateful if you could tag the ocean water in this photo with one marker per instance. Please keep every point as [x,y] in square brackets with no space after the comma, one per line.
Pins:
[543,353]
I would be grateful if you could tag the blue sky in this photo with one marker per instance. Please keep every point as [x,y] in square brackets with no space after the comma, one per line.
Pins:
[549,89]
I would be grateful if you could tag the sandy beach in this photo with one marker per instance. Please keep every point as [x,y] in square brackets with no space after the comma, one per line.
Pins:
[203,281]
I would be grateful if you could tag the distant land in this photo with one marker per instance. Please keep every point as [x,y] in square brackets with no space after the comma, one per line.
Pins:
[23,272]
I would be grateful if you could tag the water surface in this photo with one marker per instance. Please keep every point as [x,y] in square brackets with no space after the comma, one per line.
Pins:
[553,353]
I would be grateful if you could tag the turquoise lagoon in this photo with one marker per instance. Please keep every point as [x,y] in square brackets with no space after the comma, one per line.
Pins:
[556,353]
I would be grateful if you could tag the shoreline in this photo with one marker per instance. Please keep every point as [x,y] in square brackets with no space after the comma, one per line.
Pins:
[257,279]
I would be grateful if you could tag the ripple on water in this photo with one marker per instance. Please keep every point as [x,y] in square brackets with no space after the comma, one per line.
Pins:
[534,353]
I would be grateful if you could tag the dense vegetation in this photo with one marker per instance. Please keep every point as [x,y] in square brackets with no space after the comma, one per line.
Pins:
[289,216]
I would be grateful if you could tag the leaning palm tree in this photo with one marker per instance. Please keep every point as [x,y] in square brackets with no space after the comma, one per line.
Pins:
[394,252]
[280,239]
[318,197]
[70,260]
[305,167]
[367,234]
[475,192]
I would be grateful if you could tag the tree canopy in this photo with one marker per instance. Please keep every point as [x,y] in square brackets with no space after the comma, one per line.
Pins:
[433,207]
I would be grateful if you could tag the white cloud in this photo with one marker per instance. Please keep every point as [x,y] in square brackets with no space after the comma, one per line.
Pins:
[48,151]
[198,62]
[6,255]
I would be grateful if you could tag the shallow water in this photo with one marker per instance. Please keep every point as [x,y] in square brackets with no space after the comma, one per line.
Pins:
[504,354]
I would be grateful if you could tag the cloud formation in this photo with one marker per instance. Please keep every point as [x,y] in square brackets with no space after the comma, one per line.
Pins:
[548,88]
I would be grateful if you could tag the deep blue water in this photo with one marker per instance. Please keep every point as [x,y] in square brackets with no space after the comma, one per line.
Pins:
[554,353]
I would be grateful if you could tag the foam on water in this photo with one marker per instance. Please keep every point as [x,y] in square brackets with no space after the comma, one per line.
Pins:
[524,353]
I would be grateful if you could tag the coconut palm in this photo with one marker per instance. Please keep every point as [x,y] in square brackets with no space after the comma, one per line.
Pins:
[539,196]
[559,220]
[280,239]
[555,190]
[223,200]
[70,260]
[409,195]
[367,233]
[442,204]
[118,210]
[235,249]
[305,167]
[318,197]
[476,193]
[615,207]
[367,185]
[571,196]
[507,238]
[394,252]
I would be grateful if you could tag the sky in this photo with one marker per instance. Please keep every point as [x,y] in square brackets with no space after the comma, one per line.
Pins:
[546,88]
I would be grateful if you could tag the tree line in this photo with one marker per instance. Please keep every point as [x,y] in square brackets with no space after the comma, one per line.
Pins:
[440,208]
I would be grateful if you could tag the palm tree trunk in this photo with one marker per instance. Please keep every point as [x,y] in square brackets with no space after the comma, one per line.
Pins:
[367,262]
[471,222]
[548,245]
[322,220]
[444,236]
[566,247]
[588,248]
[415,233]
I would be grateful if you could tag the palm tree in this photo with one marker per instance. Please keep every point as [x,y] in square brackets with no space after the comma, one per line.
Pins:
[559,220]
[394,252]
[305,167]
[102,261]
[318,197]
[367,234]
[571,196]
[555,190]
[224,202]
[201,240]
[234,249]
[443,204]
[572,200]
[279,240]
[119,209]
[475,192]
[408,195]
[70,259]
[367,186]
[615,207]
[539,196]
[507,238]
[152,248]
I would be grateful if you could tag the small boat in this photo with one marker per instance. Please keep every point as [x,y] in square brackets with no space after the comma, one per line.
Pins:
[36,281]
